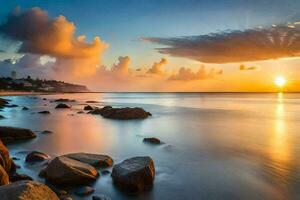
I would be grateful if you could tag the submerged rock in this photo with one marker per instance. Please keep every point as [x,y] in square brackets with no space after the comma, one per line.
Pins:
[101,197]
[25,108]
[152,140]
[44,112]
[12,106]
[92,102]
[88,107]
[95,160]
[3,103]
[36,156]
[62,170]
[121,113]
[64,100]
[83,191]
[2,117]
[134,174]
[19,177]
[62,105]
[80,112]
[46,132]
[27,190]
[11,134]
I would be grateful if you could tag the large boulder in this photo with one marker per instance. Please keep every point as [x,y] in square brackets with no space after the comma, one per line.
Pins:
[121,113]
[88,107]
[4,178]
[66,171]
[36,156]
[11,134]
[134,174]
[95,160]
[5,160]
[62,105]
[27,190]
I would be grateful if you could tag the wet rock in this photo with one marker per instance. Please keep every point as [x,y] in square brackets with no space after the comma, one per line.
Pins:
[84,191]
[134,174]
[36,156]
[4,178]
[80,112]
[96,160]
[44,112]
[12,106]
[27,190]
[101,197]
[105,172]
[62,170]
[3,103]
[46,132]
[64,100]
[92,102]
[88,107]
[2,117]
[11,134]
[44,99]
[62,105]
[5,160]
[121,113]
[61,192]
[19,177]
[15,158]
[152,140]
[25,108]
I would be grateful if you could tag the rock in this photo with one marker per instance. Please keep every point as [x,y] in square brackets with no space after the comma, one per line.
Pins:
[62,170]
[4,178]
[64,100]
[121,113]
[36,156]
[62,105]
[80,112]
[88,107]
[152,140]
[12,106]
[19,177]
[96,160]
[15,158]
[100,197]
[134,174]
[105,172]
[25,108]
[2,117]
[10,134]
[44,99]
[61,192]
[3,103]
[83,191]
[46,132]
[5,160]
[27,190]
[92,102]
[44,112]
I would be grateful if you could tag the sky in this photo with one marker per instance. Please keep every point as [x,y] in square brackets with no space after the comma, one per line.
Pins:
[154,45]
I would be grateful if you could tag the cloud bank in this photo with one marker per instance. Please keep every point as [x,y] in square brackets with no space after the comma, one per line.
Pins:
[234,46]
[157,67]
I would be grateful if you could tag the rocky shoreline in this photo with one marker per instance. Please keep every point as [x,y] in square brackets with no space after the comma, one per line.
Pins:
[133,175]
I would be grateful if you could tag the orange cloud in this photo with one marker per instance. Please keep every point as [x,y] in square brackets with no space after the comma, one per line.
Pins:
[157,67]
[42,35]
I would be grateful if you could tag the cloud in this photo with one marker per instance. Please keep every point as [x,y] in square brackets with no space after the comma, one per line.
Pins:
[42,35]
[122,67]
[186,74]
[234,46]
[157,67]
[243,68]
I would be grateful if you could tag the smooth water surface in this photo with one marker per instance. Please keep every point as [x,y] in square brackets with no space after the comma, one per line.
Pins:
[217,146]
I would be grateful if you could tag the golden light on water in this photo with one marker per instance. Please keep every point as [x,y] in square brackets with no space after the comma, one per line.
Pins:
[280,81]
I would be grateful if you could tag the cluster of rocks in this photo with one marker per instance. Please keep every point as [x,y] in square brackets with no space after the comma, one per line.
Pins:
[121,113]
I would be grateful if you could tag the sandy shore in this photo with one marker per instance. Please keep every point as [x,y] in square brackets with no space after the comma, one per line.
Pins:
[20,93]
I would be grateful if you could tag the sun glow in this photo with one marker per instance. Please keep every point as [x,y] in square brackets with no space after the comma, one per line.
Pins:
[280,81]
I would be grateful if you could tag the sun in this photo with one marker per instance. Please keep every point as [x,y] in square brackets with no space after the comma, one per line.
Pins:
[280,81]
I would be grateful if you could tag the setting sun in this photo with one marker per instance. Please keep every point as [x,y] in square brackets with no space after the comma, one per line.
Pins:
[280,81]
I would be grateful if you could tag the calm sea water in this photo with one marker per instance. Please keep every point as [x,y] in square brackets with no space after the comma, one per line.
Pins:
[217,146]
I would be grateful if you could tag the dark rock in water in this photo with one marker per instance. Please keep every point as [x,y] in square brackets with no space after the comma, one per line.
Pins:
[88,107]
[134,174]
[15,158]
[83,191]
[25,108]
[44,99]
[66,171]
[101,197]
[2,117]
[92,102]
[105,172]
[19,177]
[44,112]
[36,156]
[46,132]
[3,103]
[152,140]
[4,178]
[62,105]
[96,160]
[80,112]
[12,106]
[27,190]
[121,113]
[64,100]
[10,134]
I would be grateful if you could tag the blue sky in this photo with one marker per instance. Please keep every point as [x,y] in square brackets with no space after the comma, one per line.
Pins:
[122,22]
